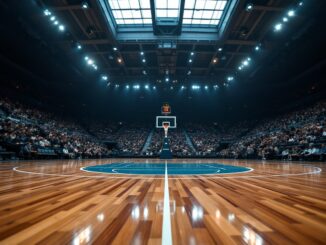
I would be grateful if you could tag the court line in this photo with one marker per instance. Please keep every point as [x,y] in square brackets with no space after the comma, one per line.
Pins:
[318,170]
[166,227]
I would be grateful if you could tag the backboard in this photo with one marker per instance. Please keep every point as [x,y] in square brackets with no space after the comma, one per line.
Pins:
[162,120]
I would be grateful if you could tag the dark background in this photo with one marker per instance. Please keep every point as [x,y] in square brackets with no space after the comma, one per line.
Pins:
[34,69]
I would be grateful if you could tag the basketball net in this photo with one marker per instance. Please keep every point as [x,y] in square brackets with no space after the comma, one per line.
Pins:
[166,128]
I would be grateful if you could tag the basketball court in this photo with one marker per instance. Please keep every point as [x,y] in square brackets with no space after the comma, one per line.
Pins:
[158,201]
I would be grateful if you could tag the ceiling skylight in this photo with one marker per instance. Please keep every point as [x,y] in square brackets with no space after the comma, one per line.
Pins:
[131,12]
[167,8]
[203,12]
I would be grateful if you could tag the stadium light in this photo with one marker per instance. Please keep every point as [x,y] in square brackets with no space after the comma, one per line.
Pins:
[47,12]
[278,27]
[146,86]
[104,77]
[119,60]
[215,60]
[127,86]
[143,60]
[245,62]
[167,79]
[257,48]
[215,87]
[249,7]
[285,19]
[136,86]
[154,87]
[86,58]
[190,60]
[240,68]
[300,3]
[195,87]
[115,48]
[141,53]
[61,27]
[291,13]
[90,61]
[192,53]
[79,46]
[56,23]
[52,18]
[220,49]
[95,67]
[230,78]
[85,5]
[206,87]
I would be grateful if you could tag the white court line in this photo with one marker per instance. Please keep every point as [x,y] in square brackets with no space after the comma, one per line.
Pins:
[211,176]
[166,228]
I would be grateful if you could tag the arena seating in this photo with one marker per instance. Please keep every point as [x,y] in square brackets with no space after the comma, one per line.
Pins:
[32,133]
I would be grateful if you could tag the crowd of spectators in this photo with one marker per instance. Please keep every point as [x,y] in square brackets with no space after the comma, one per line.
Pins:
[177,140]
[294,136]
[31,133]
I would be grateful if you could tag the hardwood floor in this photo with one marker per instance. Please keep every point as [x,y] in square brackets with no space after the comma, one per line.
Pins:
[54,202]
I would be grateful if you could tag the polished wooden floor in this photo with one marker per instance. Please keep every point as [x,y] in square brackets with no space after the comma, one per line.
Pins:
[54,202]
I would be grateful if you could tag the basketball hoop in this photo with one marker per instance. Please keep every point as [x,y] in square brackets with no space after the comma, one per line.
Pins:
[166,128]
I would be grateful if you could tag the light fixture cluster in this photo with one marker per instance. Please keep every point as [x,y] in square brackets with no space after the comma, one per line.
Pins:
[54,20]
[278,26]
[88,60]
[147,87]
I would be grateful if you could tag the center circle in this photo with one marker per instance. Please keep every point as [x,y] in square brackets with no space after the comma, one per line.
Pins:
[172,168]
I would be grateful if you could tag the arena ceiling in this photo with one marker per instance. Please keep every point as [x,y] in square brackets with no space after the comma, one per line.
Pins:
[180,40]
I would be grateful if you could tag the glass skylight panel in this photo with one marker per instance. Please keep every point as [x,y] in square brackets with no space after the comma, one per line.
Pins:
[167,8]
[131,12]
[203,12]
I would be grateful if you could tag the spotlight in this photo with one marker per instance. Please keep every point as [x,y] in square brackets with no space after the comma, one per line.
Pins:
[171,87]
[257,48]
[192,53]
[249,7]
[104,77]
[85,5]
[117,86]
[79,46]
[182,87]
[154,87]
[190,60]
[127,86]
[90,61]
[136,86]
[230,78]
[61,27]
[215,60]
[245,63]
[206,87]
[46,12]
[220,49]
[278,27]
[144,72]
[115,48]
[95,67]
[56,23]
[141,53]
[215,87]
[143,60]
[195,87]
[167,79]
[189,72]
[291,13]
[248,59]
[86,58]
[52,18]
[285,19]
[119,60]
[146,87]
[240,68]
[301,3]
